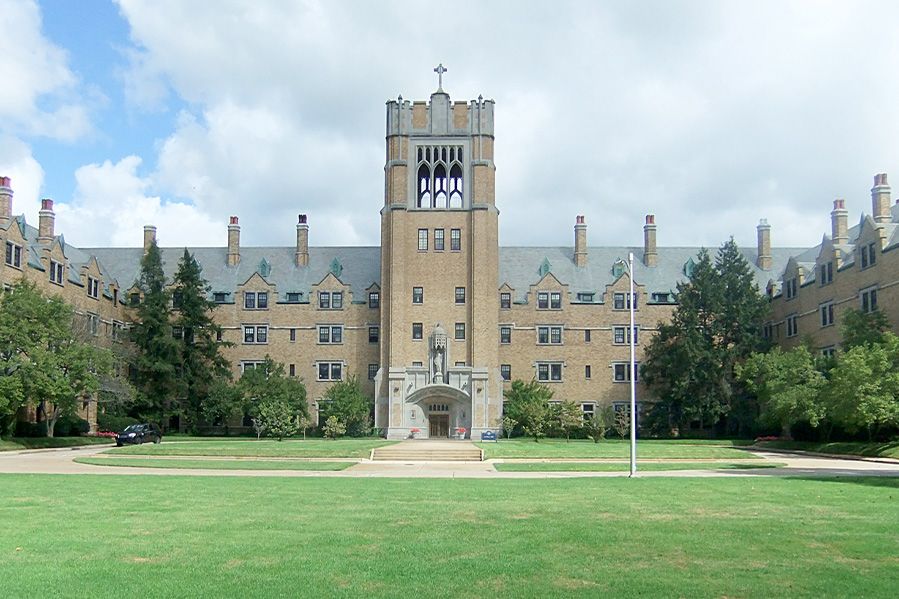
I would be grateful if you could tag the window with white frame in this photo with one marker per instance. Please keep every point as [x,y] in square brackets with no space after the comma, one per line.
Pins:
[543,300]
[505,335]
[422,240]
[549,372]
[251,365]
[460,295]
[456,240]
[868,300]
[56,272]
[372,371]
[439,239]
[555,300]
[93,288]
[549,335]
[13,254]
[418,295]
[792,325]
[829,352]
[825,273]
[585,297]
[621,337]
[505,371]
[460,331]
[330,334]
[374,299]
[294,297]
[417,331]
[505,301]
[255,333]
[330,300]
[621,301]
[117,329]
[330,371]
[588,409]
[621,372]
[826,312]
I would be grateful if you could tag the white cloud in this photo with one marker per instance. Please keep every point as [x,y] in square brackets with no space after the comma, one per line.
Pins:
[711,116]
[17,163]
[40,95]
[114,199]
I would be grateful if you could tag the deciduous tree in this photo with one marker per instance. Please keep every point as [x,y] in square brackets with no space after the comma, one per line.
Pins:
[528,404]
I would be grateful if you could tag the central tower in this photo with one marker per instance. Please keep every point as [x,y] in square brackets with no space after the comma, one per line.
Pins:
[439,270]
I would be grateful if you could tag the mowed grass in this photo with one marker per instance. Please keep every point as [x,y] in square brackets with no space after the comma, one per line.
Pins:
[19,443]
[878,450]
[624,467]
[92,536]
[192,463]
[264,448]
[617,448]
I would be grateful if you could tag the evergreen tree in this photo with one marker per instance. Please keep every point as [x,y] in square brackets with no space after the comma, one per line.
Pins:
[157,351]
[201,361]
[690,364]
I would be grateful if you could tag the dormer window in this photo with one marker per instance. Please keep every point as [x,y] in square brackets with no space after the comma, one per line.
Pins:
[790,288]
[621,301]
[177,299]
[825,273]
[869,255]
[374,299]
[255,300]
[505,301]
[13,255]
[56,272]
[585,297]
[219,297]
[93,288]
[330,300]
[293,297]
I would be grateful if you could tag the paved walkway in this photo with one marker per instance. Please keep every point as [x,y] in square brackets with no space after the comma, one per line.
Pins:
[61,461]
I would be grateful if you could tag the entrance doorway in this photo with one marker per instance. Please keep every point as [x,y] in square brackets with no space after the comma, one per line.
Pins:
[438,426]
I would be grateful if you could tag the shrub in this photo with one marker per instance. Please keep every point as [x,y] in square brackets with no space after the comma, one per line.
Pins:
[71,426]
[31,429]
[116,424]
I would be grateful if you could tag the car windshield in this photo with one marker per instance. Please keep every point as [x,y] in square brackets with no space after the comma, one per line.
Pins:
[134,428]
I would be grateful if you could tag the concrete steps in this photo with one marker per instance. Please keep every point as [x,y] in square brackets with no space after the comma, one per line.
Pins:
[423,451]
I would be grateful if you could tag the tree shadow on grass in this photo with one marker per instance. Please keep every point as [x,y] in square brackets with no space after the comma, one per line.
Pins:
[885,481]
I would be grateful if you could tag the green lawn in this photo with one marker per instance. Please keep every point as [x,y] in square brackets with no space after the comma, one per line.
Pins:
[624,467]
[265,448]
[881,450]
[17,443]
[140,462]
[93,536]
[584,448]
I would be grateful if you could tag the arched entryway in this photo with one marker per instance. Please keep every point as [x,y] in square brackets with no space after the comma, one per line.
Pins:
[440,412]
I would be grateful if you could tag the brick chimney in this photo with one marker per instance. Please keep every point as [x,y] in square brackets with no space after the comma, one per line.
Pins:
[880,199]
[46,220]
[839,222]
[233,242]
[650,255]
[764,245]
[5,200]
[149,237]
[302,254]
[580,242]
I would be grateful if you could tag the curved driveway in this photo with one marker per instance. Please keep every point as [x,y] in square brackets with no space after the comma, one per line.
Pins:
[61,461]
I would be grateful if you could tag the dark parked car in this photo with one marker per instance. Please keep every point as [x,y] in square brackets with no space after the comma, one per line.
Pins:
[139,433]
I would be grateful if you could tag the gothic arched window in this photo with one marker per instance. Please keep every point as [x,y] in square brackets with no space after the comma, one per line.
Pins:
[455,186]
[439,177]
[424,186]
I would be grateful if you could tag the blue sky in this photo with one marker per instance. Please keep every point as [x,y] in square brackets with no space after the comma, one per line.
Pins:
[711,115]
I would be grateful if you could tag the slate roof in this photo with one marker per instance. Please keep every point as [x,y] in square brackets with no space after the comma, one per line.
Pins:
[519,267]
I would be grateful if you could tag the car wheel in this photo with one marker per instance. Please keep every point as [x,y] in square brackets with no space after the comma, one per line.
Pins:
[118,443]
[140,441]
[157,440]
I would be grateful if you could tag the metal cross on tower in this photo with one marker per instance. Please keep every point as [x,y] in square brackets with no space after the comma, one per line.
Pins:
[440,70]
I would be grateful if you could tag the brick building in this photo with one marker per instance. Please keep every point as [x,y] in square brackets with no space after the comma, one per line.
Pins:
[439,318]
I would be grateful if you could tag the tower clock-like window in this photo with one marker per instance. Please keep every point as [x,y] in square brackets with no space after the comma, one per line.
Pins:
[439,178]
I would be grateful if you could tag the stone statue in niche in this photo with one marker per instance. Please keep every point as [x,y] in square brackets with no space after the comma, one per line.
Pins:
[438,354]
